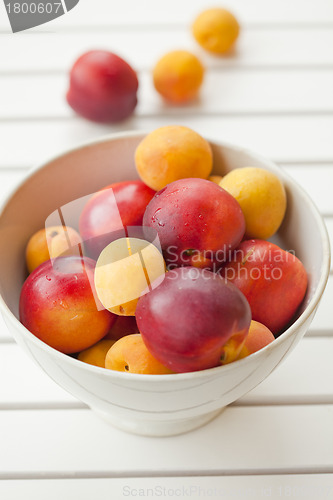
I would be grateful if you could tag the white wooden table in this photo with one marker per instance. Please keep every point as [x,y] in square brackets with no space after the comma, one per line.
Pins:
[273,95]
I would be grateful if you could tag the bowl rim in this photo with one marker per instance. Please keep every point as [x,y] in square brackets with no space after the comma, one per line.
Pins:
[218,370]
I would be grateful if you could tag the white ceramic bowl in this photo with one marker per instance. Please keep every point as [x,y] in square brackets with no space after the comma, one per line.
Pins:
[149,404]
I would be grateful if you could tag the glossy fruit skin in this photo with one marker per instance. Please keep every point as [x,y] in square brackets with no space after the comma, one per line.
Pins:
[273,281]
[57,304]
[193,320]
[110,211]
[198,222]
[103,87]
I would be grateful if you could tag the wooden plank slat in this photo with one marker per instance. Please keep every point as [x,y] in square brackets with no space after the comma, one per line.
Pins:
[28,386]
[283,139]
[291,383]
[257,48]
[274,487]
[317,180]
[150,12]
[241,439]
[223,92]
[5,335]
[323,319]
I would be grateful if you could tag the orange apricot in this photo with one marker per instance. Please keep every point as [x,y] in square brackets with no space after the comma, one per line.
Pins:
[95,355]
[216,30]
[51,242]
[129,354]
[258,337]
[171,153]
[178,76]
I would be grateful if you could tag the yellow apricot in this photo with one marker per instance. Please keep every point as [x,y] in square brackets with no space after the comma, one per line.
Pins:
[129,354]
[51,242]
[95,355]
[216,30]
[124,271]
[171,153]
[262,198]
[178,76]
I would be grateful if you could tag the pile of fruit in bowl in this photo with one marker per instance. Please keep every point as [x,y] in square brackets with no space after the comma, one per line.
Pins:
[172,273]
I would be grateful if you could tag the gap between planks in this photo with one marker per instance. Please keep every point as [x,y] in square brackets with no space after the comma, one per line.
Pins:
[314,471]
[167,26]
[27,475]
[259,403]
[232,66]
[186,113]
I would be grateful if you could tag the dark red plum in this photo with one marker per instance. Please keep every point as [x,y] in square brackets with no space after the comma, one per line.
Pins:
[193,320]
[103,87]
[197,221]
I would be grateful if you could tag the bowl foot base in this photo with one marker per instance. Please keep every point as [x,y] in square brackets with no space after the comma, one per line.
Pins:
[145,427]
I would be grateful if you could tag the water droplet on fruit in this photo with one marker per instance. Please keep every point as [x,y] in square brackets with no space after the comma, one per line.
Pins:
[161,224]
